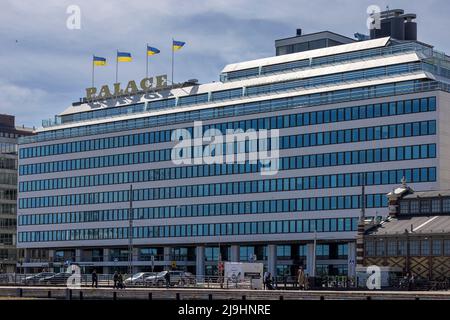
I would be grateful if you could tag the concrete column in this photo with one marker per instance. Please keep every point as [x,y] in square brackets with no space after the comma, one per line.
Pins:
[135,254]
[310,260]
[351,259]
[272,259]
[51,257]
[106,256]
[27,255]
[200,261]
[106,269]
[234,253]
[78,255]
[135,260]
[167,258]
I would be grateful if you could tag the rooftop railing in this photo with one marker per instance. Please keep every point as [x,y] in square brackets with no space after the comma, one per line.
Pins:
[329,60]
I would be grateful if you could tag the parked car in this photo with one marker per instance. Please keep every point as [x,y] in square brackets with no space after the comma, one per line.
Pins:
[176,278]
[58,278]
[138,278]
[35,278]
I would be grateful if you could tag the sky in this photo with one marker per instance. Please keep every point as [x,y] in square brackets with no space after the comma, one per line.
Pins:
[45,66]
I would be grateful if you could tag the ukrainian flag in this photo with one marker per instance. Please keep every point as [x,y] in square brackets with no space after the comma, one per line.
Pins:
[124,56]
[177,45]
[99,61]
[152,51]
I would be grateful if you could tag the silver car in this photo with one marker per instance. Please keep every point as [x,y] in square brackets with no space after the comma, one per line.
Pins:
[138,278]
[35,278]
[176,278]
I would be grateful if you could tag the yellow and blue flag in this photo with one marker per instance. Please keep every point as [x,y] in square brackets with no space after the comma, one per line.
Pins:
[124,56]
[152,51]
[177,45]
[99,61]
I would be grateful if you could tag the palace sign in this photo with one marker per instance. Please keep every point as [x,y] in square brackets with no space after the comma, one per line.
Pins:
[145,84]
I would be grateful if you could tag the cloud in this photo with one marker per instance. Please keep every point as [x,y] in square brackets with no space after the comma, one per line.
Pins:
[51,65]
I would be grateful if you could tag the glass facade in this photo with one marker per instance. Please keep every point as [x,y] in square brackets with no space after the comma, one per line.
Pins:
[75,176]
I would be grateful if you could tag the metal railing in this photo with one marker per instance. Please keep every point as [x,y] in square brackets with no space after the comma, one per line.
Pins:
[107,280]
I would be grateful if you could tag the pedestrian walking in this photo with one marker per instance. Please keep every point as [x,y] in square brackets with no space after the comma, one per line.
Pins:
[115,279]
[94,279]
[269,281]
[265,278]
[120,281]
[301,279]
[167,277]
[411,283]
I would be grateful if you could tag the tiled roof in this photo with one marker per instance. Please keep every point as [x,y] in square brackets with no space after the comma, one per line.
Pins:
[420,225]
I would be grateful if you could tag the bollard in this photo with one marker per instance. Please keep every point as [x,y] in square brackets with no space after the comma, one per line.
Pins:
[243,297]
[49,294]
[114,295]
[210,297]
[322,298]
[81,295]
[178,296]
[20,292]
[417,298]
[368,298]
[281,298]
[150,297]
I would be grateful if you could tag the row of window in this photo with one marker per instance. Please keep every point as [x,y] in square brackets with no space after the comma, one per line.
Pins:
[8,208]
[8,163]
[411,129]
[276,122]
[159,193]
[394,247]
[257,107]
[8,194]
[312,182]
[208,209]
[293,141]
[195,230]
[425,206]
[319,61]
[286,163]
[8,148]
[334,78]
[8,178]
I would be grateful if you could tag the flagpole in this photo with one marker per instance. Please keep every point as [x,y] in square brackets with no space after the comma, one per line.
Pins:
[146,57]
[117,66]
[92,71]
[172,61]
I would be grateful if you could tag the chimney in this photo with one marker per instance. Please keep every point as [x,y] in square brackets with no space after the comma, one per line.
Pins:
[299,32]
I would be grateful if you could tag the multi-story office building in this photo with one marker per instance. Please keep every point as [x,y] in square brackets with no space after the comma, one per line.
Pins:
[367,112]
[9,135]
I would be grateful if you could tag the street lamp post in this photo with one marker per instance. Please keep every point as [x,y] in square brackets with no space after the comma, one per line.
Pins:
[130,233]
[407,251]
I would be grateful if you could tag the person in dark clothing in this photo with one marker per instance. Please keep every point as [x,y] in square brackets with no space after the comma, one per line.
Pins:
[120,281]
[269,285]
[94,278]
[167,277]
[115,279]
